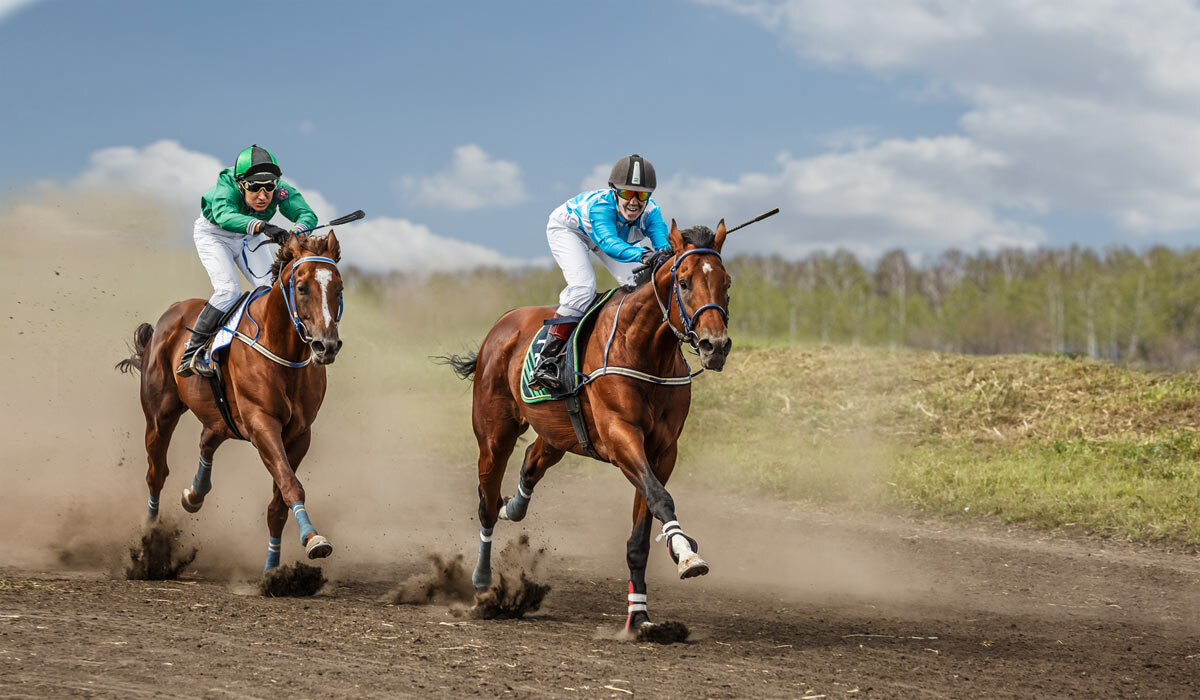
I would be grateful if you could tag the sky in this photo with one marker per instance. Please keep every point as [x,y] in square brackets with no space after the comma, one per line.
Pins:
[458,126]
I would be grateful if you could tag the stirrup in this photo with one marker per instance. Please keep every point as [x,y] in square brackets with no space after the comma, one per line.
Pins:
[546,374]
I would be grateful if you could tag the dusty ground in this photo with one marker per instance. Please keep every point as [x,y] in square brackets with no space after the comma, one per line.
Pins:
[800,602]
[997,614]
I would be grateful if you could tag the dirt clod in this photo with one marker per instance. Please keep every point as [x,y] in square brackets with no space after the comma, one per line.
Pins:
[669,632]
[292,581]
[159,555]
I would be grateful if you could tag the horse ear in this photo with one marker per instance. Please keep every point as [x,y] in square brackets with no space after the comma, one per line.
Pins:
[719,237]
[675,238]
[333,249]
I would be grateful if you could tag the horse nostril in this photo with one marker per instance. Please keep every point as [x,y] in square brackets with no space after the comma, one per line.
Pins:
[318,346]
[706,345]
[728,346]
[338,346]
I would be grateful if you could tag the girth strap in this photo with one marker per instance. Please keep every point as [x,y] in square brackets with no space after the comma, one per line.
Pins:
[217,382]
[575,412]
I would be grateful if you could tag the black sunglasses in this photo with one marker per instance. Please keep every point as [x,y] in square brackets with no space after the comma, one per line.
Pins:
[257,186]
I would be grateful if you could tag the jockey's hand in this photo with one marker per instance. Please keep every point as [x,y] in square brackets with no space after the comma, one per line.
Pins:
[275,233]
[651,259]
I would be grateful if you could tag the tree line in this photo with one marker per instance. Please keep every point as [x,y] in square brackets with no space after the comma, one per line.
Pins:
[1119,305]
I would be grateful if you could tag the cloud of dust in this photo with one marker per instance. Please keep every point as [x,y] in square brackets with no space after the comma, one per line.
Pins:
[390,476]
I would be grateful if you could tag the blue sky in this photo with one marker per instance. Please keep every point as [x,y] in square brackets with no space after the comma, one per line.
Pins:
[874,125]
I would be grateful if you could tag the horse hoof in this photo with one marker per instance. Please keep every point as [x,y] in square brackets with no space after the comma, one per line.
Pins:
[187,502]
[503,513]
[692,565]
[318,547]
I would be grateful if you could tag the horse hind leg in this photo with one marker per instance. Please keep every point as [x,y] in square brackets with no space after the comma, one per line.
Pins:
[160,425]
[193,496]
[538,458]
[494,451]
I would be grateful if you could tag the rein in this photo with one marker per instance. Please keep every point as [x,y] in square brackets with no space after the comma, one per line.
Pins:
[688,334]
[289,301]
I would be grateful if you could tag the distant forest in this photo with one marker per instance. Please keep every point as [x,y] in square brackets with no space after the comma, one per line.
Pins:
[1119,305]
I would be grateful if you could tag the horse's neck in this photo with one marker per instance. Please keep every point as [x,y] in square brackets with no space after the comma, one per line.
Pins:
[651,345]
[279,335]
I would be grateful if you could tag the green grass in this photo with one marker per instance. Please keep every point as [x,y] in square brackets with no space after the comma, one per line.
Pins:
[1048,440]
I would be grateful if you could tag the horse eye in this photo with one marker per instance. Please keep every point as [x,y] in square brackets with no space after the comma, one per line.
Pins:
[683,285]
[302,289]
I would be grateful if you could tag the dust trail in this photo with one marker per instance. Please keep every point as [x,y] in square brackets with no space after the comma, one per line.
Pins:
[448,582]
[292,581]
[160,554]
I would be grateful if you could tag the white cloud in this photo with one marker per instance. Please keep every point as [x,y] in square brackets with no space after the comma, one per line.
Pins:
[167,172]
[597,179]
[10,7]
[921,195]
[1092,105]
[474,180]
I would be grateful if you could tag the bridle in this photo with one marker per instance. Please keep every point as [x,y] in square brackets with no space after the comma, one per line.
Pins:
[289,296]
[688,334]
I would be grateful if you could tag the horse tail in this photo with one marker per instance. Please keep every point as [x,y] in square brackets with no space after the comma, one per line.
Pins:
[141,338]
[463,365]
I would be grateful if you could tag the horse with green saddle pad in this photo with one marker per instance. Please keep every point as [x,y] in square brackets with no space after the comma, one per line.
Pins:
[631,388]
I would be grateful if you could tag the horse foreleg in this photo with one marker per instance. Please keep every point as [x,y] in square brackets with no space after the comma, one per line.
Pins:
[637,554]
[269,442]
[494,451]
[538,458]
[193,496]
[277,510]
[628,449]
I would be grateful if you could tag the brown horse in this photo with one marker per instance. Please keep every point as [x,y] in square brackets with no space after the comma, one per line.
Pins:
[274,379]
[633,423]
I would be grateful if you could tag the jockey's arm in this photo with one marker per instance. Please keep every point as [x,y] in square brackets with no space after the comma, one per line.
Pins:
[295,208]
[603,216]
[222,205]
[657,229]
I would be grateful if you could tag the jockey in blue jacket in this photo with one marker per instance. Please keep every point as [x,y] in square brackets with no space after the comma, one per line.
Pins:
[624,228]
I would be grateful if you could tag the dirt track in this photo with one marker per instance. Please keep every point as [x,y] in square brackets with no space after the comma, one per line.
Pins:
[1000,614]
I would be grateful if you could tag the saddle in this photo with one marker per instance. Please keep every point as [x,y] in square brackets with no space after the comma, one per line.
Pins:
[220,341]
[570,374]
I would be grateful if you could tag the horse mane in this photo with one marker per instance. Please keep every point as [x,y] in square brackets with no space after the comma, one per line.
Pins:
[698,236]
[317,245]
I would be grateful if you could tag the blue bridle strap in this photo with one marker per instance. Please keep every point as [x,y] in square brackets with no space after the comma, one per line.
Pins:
[290,297]
[689,321]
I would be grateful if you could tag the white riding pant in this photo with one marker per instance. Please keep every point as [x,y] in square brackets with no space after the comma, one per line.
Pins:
[224,253]
[570,246]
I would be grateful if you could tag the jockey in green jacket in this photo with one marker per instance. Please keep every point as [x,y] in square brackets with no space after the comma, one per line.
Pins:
[234,221]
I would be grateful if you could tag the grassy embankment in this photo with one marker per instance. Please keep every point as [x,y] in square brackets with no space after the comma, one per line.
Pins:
[1042,439]
[1047,440]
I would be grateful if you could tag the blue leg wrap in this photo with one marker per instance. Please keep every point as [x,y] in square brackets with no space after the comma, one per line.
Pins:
[273,545]
[202,484]
[152,507]
[518,504]
[482,578]
[302,520]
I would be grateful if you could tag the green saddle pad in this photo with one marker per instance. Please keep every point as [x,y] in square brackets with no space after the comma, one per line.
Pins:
[571,375]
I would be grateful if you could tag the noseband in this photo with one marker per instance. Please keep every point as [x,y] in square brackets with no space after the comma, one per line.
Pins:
[688,334]
[290,297]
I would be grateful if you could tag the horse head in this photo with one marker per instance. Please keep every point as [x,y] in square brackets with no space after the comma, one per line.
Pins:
[312,289]
[700,287]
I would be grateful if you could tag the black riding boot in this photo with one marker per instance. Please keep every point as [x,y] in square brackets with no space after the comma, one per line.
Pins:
[204,328]
[547,371]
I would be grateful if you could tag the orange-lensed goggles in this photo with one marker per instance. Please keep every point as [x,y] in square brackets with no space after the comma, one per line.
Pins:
[630,194]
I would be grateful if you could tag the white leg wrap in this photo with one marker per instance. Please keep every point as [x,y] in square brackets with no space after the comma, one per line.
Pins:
[637,602]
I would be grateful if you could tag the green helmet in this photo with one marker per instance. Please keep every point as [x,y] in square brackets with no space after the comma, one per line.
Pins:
[256,163]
